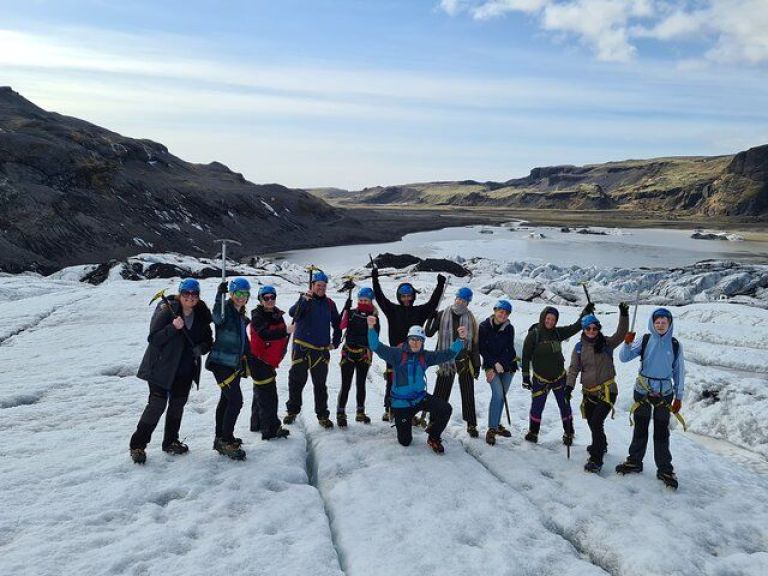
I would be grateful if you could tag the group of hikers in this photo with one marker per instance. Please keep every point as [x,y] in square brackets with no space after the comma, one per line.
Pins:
[253,347]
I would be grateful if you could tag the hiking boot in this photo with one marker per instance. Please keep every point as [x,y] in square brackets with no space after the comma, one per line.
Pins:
[138,455]
[289,418]
[230,449]
[592,466]
[326,423]
[668,478]
[490,436]
[176,447]
[435,444]
[341,420]
[532,437]
[361,417]
[605,450]
[568,439]
[385,416]
[472,431]
[501,431]
[629,468]
[279,433]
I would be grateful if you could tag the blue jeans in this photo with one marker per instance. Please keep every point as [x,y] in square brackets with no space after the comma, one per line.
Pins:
[499,388]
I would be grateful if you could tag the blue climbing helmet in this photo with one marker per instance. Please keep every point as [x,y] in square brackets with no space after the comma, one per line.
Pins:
[588,320]
[406,289]
[662,313]
[365,292]
[189,285]
[267,289]
[465,293]
[319,276]
[503,305]
[239,285]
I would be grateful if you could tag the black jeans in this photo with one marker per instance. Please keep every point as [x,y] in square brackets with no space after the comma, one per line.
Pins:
[444,385]
[230,402]
[596,411]
[308,362]
[353,364]
[264,405]
[656,408]
[439,413]
[174,399]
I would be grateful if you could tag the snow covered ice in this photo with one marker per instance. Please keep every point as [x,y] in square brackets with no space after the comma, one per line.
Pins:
[354,501]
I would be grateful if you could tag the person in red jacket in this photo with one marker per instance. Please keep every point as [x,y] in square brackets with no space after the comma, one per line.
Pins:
[269,336]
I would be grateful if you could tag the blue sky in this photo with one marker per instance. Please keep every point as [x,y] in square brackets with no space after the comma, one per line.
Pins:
[363,93]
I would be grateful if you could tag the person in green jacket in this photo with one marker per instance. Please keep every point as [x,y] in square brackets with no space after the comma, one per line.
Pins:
[543,354]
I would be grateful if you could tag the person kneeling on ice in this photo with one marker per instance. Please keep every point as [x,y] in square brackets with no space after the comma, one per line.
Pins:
[179,334]
[269,342]
[658,391]
[543,351]
[592,357]
[409,388]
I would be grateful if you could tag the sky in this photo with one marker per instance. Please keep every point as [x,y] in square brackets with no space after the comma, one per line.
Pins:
[360,93]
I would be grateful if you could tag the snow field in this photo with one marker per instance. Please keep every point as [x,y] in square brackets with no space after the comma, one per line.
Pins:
[354,501]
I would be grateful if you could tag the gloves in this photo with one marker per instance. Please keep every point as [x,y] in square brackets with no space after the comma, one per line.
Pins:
[222,289]
[441,279]
[374,272]
[629,338]
[676,405]
[588,309]
[624,309]
[526,381]
[568,393]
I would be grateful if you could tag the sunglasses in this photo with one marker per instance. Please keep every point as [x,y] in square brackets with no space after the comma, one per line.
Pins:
[268,297]
[591,329]
[189,294]
[241,294]
[414,339]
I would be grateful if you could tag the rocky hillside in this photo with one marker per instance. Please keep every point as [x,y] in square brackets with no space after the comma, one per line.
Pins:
[72,192]
[715,186]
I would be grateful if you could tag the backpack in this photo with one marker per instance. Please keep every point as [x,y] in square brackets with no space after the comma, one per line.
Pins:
[647,337]
[422,359]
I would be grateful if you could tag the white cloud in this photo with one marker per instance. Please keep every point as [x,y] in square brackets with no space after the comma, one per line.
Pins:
[736,30]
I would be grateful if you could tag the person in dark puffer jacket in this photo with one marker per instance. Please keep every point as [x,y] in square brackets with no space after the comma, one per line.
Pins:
[497,347]
[542,350]
[179,336]
[592,357]
[269,342]
[401,316]
[355,355]
[228,361]
[315,315]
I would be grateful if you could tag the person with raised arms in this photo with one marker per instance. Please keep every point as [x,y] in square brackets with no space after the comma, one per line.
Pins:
[409,388]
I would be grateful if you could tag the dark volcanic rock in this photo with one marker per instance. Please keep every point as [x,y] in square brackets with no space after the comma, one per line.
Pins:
[388,260]
[442,265]
[72,193]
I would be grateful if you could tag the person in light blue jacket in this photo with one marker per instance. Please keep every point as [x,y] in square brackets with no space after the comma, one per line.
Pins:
[658,391]
[409,389]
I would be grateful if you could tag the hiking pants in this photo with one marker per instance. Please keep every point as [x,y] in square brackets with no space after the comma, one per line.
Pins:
[596,410]
[539,392]
[308,362]
[264,404]
[439,413]
[230,402]
[652,407]
[389,376]
[499,388]
[443,387]
[174,399]
[353,364]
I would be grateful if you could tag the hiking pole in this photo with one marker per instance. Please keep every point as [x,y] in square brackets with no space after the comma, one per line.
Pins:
[634,314]
[224,242]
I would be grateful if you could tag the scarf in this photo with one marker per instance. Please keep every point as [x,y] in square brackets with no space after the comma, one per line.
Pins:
[445,334]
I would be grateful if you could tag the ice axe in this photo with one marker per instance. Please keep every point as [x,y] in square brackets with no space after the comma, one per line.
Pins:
[586,292]
[634,314]
[224,242]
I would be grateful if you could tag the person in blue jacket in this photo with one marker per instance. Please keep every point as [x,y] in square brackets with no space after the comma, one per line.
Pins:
[228,361]
[658,391]
[315,316]
[409,388]
[497,347]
